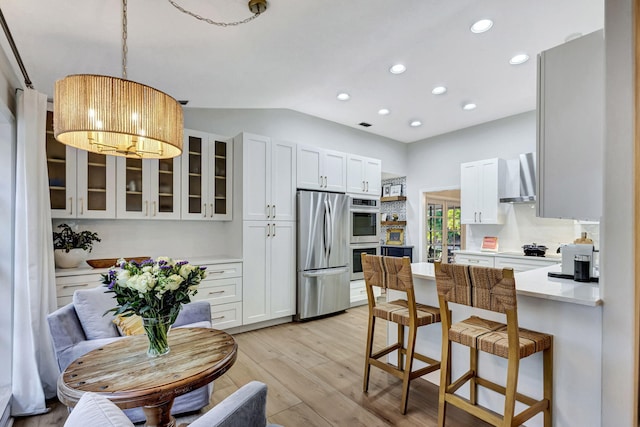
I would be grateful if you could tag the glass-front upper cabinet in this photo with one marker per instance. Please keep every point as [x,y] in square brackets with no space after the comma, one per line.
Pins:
[81,184]
[206,176]
[148,189]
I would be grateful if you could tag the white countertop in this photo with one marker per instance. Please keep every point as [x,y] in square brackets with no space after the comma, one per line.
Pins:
[201,260]
[536,283]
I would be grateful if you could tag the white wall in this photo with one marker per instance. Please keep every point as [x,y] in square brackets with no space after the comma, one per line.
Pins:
[619,372]
[299,128]
[434,164]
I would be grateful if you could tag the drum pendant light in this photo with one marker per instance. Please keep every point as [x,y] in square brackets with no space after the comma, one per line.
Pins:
[119,117]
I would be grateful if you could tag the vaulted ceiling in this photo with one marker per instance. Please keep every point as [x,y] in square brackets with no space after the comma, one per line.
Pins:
[301,53]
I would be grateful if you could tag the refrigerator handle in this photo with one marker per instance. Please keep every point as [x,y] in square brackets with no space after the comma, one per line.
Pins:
[330,230]
[326,231]
[329,272]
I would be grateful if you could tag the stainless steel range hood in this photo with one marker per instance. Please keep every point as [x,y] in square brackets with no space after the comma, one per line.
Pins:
[527,181]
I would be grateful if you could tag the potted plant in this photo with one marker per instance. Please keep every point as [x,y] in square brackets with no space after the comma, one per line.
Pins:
[71,248]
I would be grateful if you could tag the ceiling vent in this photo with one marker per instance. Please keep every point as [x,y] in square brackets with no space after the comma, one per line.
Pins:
[365,124]
[183,101]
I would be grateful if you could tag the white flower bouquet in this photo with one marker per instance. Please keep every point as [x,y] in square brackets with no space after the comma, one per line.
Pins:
[153,288]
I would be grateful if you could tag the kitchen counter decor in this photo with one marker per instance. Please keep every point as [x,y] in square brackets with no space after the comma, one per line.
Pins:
[70,248]
[154,290]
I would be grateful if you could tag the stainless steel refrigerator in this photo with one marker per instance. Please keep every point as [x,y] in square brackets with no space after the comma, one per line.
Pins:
[323,253]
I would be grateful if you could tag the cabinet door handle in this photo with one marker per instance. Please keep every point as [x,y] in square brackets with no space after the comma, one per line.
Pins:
[268,230]
[367,186]
[211,204]
[70,205]
[218,318]
[273,214]
[273,233]
[154,209]
[204,210]
[480,217]
[80,285]
[326,184]
[216,292]
[146,208]
[475,217]
[364,188]
[81,202]
[268,211]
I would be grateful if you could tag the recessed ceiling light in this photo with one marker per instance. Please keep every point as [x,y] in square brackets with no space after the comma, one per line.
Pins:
[518,59]
[343,96]
[438,90]
[469,106]
[397,69]
[481,26]
[383,111]
[415,123]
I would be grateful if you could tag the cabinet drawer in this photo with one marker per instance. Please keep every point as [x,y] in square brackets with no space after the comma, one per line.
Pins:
[226,315]
[522,264]
[65,286]
[222,271]
[220,291]
[483,261]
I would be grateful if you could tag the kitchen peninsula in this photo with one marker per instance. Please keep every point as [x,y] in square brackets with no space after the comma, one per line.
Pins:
[570,311]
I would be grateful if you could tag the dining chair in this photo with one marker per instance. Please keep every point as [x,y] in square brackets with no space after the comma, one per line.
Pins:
[494,290]
[394,273]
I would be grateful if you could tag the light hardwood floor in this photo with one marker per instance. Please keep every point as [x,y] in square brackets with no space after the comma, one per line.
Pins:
[314,375]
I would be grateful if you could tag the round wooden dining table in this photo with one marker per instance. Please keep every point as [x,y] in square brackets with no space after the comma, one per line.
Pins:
[123,373]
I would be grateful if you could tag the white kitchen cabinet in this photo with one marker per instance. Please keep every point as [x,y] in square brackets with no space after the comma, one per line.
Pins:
[364,175]
[523,263]
[148,189]
[481,185]
[68,283]
[319,169]
[268,180]
[269,269]
[206,176]
[222,289]
[571,129]
[474,259]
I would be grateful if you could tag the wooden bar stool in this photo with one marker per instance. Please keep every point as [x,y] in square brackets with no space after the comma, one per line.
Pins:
[489,289]
[395,273]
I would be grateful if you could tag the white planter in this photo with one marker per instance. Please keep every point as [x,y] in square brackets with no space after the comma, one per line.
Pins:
[70,259]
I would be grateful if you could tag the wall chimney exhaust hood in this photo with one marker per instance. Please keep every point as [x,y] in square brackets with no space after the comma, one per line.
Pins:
[527,177]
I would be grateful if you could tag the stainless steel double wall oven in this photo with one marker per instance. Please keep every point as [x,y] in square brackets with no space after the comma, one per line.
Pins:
[364,226]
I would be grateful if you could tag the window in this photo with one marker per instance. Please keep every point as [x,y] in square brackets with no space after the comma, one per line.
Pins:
[443,230]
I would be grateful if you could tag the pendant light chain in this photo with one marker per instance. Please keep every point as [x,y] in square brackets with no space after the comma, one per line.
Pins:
[124,39]
[209,21]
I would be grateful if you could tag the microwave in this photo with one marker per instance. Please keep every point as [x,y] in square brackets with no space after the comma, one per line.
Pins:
[364,220]
[356,250]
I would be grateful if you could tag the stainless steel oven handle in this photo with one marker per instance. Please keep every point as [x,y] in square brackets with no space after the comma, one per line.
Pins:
[330,272]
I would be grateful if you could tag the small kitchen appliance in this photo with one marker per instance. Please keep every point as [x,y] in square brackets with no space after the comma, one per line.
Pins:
[534,250]
[569,253]
[582,268]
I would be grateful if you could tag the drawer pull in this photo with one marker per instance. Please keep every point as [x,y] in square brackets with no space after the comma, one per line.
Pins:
[216,292]
[80,285]
[474,261]
[216,272]
[362,291]
[217,318]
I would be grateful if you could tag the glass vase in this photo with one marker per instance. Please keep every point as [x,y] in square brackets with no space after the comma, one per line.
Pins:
[157,330]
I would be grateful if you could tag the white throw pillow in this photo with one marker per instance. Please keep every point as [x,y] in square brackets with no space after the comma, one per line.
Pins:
[90,305]
[96,411]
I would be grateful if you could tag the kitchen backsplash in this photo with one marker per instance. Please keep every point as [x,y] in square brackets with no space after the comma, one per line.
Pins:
[523,227]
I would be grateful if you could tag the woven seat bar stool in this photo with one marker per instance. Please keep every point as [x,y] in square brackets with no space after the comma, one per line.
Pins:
[395,273]
[489,289]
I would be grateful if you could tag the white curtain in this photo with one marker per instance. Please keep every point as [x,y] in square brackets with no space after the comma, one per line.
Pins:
[34,370]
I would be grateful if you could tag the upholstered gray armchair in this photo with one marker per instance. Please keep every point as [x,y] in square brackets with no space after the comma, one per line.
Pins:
[247,407]
[81,326]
